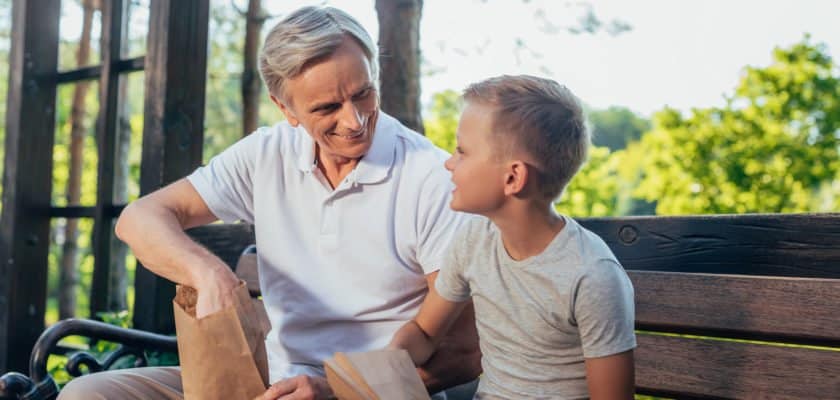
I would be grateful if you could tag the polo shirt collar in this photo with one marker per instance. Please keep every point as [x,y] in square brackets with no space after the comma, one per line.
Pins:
[374,166]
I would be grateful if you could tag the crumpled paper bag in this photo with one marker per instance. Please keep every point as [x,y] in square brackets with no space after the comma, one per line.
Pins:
[222,355]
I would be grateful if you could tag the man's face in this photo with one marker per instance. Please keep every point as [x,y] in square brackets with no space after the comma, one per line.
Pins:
[477,173]
[335,100]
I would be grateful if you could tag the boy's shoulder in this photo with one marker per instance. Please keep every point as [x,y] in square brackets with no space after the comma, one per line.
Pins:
[476,227]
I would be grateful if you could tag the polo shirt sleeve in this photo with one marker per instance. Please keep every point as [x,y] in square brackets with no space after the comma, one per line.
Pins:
[226,183]
[604,310]
[437,223]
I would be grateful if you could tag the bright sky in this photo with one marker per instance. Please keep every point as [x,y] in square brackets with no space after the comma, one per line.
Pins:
[679,53]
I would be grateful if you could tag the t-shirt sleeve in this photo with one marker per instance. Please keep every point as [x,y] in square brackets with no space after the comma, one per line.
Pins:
[604,310]
[437,223]
[226,183]
[451,282]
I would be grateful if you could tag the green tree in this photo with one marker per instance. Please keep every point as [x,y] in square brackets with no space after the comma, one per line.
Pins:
[772,148]
[616,126]
[594,191]
[442,121]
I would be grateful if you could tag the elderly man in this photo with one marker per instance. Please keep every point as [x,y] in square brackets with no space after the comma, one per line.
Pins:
[350,210]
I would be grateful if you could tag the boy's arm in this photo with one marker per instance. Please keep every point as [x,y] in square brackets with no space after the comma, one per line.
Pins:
[611,377]
[421,335]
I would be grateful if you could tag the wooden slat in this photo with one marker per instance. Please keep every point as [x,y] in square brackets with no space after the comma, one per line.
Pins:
[95,71]
[682,367]
[248,271]
[173,126]
[27,180]
[84,212]
[114,30]
[803,245]
[227,241]
[803,310]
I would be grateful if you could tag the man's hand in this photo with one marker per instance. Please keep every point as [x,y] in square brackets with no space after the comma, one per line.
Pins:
[301,387]
[215,291]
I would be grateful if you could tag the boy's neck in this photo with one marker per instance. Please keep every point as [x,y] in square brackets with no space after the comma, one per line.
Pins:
[527,228]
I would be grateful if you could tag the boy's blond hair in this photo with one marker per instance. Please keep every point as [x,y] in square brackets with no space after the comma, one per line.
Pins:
[541,118]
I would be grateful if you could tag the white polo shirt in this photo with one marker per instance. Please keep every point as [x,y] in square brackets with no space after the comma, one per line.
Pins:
[343,269]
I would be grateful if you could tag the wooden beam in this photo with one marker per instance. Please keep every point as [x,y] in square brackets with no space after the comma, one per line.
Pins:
[114,30]
[801,245]
[27,179]
[680,367]
[788,310]
[95,72]
[173,128]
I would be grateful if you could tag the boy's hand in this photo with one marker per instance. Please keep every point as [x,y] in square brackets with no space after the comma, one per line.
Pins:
[301,387]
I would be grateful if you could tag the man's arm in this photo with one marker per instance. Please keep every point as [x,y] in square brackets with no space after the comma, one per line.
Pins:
[611,377]
[153,226]
[457,359]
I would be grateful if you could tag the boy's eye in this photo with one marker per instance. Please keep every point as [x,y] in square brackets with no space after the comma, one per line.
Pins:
[459,150]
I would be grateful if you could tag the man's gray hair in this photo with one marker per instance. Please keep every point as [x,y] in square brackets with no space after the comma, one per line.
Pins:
[306,35]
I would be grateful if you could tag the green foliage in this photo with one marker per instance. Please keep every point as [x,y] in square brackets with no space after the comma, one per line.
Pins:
[594,191]
[225,61]
[442,121]
[773,147]
[616,126]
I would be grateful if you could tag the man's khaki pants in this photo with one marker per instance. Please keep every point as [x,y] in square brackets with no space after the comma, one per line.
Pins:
[129,384]
[165,383]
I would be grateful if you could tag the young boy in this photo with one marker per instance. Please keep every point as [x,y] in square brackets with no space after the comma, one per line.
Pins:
[554,308]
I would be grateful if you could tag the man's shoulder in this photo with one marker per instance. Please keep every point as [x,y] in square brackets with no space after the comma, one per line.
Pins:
[278,140]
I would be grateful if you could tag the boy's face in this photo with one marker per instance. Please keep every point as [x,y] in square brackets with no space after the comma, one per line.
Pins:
[477,172]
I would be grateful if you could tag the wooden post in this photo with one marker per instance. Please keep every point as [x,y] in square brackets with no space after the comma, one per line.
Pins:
[113,32]
[173,129]
[27,179]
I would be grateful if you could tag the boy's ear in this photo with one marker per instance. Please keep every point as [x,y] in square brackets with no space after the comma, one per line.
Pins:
[516,178]
[285,110]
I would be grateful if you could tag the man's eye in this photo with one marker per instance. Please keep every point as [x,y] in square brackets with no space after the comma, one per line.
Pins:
[327,108]
[362,94]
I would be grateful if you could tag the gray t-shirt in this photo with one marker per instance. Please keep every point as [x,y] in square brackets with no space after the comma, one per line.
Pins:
[539,318]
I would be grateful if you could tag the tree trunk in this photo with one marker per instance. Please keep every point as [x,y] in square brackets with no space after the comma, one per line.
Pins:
[68,277]
[251,84]
[399,38]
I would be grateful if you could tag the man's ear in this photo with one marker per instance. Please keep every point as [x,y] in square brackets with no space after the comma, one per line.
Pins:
[516,178]
[285,110]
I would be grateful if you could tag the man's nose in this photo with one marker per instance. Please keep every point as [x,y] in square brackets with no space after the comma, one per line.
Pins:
[350,117]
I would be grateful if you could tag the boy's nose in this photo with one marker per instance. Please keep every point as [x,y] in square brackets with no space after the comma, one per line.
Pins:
[448,163]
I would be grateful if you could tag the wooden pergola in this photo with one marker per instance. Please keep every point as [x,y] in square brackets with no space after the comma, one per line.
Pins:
[172,144]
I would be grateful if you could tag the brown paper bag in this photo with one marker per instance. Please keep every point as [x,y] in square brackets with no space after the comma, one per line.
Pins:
[222,355]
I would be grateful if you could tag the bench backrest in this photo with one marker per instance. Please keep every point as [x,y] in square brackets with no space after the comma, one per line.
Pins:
[733,306]
[726,306]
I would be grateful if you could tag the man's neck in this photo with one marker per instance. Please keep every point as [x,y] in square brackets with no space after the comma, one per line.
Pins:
[527,228]
[335,169]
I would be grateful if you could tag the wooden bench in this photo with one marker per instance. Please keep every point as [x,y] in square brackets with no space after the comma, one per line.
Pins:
[726,306]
